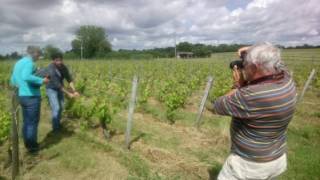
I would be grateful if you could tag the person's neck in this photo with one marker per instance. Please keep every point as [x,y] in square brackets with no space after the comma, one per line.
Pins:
[265,77]
[31,57]
[260,75]
[58,67]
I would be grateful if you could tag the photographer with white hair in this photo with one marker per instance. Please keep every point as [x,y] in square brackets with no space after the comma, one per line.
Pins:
[261,105]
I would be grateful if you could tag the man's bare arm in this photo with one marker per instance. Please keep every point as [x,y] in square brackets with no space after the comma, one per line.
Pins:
[71,95]
[75,93]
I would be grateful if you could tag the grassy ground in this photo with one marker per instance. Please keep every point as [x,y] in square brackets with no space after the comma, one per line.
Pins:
[160,150]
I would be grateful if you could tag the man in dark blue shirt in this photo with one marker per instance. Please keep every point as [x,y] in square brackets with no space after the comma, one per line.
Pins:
[57,72]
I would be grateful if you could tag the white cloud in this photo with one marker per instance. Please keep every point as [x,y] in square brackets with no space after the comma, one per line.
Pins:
[260,4]
[146,23]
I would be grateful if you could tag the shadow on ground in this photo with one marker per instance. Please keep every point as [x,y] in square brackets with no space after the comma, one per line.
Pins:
[53,138]
[141,135]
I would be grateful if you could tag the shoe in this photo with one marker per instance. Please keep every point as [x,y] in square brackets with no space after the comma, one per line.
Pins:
[34,151]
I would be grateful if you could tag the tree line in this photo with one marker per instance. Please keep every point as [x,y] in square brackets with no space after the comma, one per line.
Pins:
[91,42]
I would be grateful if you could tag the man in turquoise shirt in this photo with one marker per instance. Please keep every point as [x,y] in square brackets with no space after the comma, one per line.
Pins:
[28,84]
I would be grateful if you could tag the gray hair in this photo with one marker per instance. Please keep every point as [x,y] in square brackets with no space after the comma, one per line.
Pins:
[266,56]
[33,49]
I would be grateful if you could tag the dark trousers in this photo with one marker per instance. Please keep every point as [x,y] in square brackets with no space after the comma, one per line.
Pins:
[31,115]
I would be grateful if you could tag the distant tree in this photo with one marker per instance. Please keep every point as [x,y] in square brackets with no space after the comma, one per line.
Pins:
[70,55]
[201,50]
[49,50]
[14,55]
[305,46]
[94,41]
[184,47]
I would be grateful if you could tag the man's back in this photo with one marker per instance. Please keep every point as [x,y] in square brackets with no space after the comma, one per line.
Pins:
[261,113]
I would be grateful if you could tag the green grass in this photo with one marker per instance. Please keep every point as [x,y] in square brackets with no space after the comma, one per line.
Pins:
[303,141]
[166,151]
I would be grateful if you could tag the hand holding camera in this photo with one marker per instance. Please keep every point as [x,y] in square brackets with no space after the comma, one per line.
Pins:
[238,80]
[243,51]
[237,68]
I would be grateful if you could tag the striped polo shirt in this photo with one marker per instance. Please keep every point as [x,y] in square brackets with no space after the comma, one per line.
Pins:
[261,112]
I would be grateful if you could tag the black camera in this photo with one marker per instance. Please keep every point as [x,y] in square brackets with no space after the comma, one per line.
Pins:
[238,62]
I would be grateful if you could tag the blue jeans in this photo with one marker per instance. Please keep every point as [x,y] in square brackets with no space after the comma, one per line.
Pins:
[56,101]
[31,106]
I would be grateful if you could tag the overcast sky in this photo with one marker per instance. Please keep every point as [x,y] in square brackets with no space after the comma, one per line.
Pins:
[138,24]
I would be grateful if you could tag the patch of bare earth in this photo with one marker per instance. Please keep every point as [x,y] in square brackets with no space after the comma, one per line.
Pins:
[171,163]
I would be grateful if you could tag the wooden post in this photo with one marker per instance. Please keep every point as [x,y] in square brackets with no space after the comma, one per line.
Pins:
[203,101]
[14,135]
[131,110]
[306,85]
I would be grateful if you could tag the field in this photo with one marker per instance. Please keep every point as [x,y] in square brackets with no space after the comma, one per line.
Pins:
[165,144]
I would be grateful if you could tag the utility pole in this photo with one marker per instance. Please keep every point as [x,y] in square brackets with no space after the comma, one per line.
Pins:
[175,45]
[81,48]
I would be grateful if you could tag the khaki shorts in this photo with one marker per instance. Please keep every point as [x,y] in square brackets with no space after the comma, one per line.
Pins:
[236,167]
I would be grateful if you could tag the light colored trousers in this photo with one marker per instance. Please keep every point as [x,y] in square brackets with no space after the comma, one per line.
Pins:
[237,168]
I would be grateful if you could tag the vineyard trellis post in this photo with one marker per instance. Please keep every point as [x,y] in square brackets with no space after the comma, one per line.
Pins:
[131,110]
[14,135]
[203,101]
[306,85]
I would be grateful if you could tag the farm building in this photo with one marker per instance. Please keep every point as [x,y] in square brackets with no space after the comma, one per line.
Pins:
[184,55]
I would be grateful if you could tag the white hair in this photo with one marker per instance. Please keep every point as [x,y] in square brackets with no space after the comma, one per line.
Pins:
[33,49]
[266,57]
